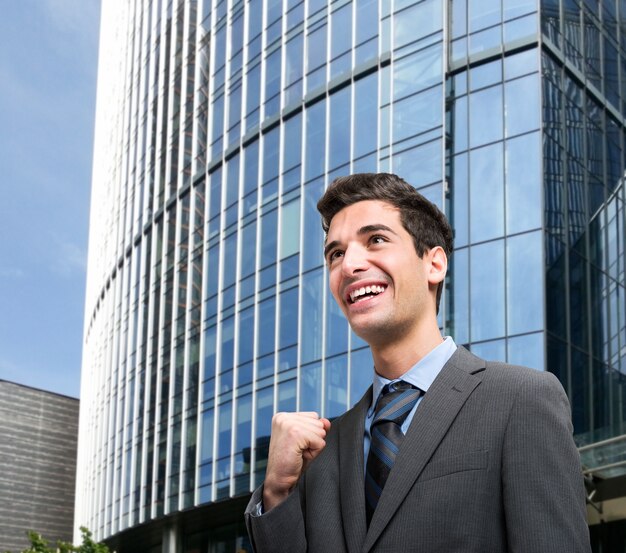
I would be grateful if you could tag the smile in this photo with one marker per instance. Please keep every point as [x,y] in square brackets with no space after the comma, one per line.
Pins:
[366,292]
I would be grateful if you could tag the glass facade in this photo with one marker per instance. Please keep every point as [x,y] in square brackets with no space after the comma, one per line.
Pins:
[219,124]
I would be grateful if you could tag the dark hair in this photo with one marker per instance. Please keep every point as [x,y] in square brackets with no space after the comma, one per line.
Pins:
[422,219]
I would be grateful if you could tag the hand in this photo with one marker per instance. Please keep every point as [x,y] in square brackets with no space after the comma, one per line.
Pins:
[297,438]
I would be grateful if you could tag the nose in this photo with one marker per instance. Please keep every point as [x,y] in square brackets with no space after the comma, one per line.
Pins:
[354,260]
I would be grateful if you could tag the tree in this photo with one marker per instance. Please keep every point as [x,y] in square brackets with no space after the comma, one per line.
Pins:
[39,545]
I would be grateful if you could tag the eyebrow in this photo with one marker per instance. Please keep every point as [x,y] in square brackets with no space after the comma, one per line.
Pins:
[367,229]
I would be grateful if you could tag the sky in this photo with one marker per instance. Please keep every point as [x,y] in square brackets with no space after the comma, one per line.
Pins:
[48,69]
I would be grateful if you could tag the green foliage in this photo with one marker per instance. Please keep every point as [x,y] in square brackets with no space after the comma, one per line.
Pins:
[39,545]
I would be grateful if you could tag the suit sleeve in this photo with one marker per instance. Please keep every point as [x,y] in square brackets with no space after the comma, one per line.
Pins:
[280,530]
[542,479]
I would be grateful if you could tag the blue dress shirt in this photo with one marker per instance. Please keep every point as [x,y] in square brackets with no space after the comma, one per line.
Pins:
[421,375]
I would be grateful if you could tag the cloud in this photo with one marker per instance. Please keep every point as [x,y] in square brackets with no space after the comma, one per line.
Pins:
[69,258]
[11,273]
[74,16]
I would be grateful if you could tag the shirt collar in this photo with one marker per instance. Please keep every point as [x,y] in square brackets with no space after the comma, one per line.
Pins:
[423,373]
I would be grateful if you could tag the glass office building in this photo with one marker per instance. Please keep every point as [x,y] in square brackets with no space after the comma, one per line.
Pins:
[219,124]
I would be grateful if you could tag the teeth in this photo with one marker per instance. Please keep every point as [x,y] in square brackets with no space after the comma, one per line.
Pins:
[375,289]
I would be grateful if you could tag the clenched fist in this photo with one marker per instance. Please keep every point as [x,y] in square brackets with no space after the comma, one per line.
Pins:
[297,438]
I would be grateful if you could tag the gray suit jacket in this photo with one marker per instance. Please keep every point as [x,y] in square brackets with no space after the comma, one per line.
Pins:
[488,465]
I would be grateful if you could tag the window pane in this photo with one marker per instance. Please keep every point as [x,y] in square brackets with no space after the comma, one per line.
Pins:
[527,351]
[311,387]
[288,318]
[486,193]
[315,140]
[523,183]
[417,71]
[524,283]
[459,299]
[487,290]
[312,296]
[290,229]
[417,114]
[485,112]
[483,13]
[421,165]
[522,105]
[361,373]
[292,143]
[340,128]
[494,350]
[365,126]
[336,386]
[430,17]
[312,245]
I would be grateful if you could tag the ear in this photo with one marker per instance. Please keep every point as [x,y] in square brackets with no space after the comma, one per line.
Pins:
[437,265]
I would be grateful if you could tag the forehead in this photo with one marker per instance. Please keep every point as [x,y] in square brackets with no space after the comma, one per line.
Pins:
[366,212]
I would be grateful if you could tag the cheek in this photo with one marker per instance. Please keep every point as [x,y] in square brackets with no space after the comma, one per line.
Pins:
[333,284]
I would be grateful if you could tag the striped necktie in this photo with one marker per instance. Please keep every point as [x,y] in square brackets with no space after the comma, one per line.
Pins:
[394,404]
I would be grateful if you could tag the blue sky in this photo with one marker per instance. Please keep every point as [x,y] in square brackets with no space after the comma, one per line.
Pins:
[48,68]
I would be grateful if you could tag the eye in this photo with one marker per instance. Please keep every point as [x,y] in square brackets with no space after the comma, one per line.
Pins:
[333,255]
[377,239]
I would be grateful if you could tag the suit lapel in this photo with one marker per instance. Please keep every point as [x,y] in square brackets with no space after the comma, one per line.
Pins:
[351,471]
[433,417]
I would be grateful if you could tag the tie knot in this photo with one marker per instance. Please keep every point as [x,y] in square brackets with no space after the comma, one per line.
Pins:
[395,402]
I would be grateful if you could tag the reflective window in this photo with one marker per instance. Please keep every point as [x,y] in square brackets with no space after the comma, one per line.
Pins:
[485,112]
[417,71]
[483,13]
[430,15]
[315,151]
[293,68]
[311,387]
[266,326]
[230,261]
[361,373]
[290,229]
[526,350]
[459,18]
[366,26]
[494,350]
[288,318]
[244,423]
[312,244]
[520,64]
[522,105]
[365,104]
[292,142]
[523,183]
[459,215]
[312,316]
[421,165]
[246,335]
[524,286]
[487,291]
[336,328]
[269,231]
[417,114]
[336,400]
[459,298]
[516,8]
[486,193]
[459,124]
[339,146]
[485,75]
[206,440]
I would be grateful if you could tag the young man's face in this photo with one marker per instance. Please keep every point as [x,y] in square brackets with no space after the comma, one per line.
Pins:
[383,287]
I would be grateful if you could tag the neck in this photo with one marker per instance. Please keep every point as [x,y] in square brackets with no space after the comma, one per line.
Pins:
[396,357]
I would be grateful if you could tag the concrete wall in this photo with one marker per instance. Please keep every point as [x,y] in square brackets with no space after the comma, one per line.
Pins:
[38,436]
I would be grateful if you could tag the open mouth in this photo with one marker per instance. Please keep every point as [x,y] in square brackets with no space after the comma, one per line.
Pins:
[365,292]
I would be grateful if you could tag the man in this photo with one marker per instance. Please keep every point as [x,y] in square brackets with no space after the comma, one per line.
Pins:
[445,452]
